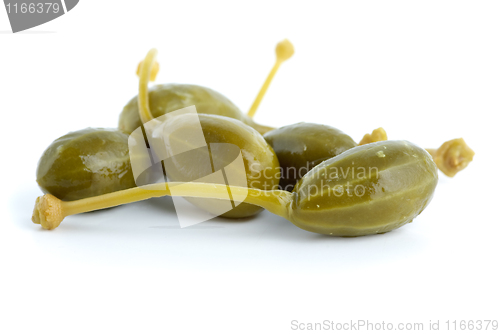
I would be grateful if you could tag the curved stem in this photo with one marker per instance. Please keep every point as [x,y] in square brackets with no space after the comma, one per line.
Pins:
[145,72]
[50,211]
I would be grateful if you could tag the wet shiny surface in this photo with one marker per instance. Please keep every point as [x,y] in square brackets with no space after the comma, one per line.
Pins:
[170,97]
[86,163]
[261,166]
[369,189]
[302,146]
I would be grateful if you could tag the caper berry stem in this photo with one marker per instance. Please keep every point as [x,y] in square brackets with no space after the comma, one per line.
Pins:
[284,50]
[378,134]
[49,211]
[145,71]
[452,157]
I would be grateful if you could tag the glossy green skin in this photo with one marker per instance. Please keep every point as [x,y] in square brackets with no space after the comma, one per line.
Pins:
[302,146]
[401,184]
[261,164]
[86,163]
[170,97]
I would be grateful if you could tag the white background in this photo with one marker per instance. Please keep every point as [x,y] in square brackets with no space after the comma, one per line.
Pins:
[427,71]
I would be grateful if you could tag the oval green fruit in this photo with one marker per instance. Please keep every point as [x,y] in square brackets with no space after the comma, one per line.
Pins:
[261,167]
[370,189]
[170,97]
[302,146]
[86,163]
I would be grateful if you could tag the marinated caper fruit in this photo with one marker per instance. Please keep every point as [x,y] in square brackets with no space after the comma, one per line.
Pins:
[369,189]
[86,163]
[347,191]
[170,97]
[261,167]
[302,146]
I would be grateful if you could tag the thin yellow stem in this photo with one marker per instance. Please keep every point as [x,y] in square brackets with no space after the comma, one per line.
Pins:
[284,50]
[50,211]
[144,76]
[110,200]
[263,89]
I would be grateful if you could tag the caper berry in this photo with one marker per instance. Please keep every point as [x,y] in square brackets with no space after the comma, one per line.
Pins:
[261,166]
[86,163]
[170,97]
[302,146]
[369,189]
